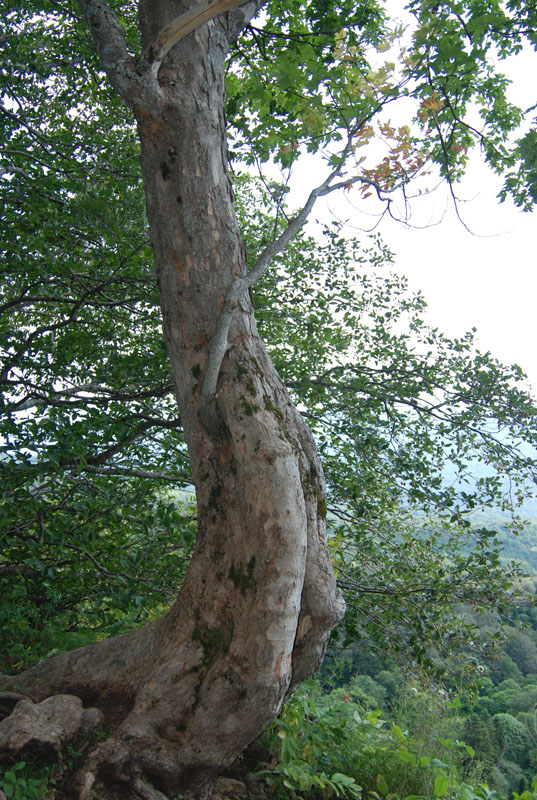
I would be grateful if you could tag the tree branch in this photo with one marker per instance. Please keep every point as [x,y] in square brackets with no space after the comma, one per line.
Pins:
[109,39]
[219,342]
[132,472]
[86,393]
[181,26]
[105,455]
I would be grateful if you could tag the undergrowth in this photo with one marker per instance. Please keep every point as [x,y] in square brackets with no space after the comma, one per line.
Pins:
[327,745]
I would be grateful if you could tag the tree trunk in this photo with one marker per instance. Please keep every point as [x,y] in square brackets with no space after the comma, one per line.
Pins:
[184,696]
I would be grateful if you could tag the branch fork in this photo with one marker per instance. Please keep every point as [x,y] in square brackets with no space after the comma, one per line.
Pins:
[219,343]
[129,77]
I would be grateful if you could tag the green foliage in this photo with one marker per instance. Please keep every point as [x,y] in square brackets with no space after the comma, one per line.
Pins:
[500,699]
[479,732]
[321,740]
[367,692]
[504,668]
[313,78]
[24,781]
[521,182]
[522,650]
[528,794]
[512,735]
[500,724]
[92,543]
[289,84]
[69,590]
[396,407]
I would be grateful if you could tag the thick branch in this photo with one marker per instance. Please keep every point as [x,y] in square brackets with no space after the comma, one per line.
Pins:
[109,39]
[182,26]
[217,351]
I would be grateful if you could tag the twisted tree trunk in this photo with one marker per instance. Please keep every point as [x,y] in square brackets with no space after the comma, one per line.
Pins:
[184,696]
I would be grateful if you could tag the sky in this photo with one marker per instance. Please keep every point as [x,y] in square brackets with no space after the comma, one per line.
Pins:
[483,275]
[480,272]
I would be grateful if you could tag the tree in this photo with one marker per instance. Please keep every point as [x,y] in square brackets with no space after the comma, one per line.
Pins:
[522,650]
[480,733]
[183,696]
[259,600]
[512,735]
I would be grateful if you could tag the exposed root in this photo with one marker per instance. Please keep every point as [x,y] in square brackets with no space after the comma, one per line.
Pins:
[83,784]
[147,792]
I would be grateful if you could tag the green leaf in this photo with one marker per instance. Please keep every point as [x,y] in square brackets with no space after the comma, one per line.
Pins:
[382,785]
[442,783]
[406,757]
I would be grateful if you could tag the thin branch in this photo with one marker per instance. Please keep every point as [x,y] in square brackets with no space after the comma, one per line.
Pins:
[105,455]
[133,472]
[107,574]
[89,393]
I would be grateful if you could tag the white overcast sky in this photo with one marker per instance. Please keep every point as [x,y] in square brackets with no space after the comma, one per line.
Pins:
[488,278]
[485,279]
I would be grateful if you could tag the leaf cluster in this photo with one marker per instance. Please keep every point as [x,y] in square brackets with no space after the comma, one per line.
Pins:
[26,781]
[313,78]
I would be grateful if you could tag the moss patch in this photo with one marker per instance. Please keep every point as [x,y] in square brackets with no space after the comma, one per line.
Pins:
[310,487]
[243,579]
[214,497]
[269,406]
[249,408]
[213,642]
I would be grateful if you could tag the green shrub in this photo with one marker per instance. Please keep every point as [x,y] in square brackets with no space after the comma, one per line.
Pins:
[328,745]
[25,781]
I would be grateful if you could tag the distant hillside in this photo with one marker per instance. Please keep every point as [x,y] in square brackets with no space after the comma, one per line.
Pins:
[521,548]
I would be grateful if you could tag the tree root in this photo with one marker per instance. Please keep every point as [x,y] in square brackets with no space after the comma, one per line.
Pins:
[46,727]
[147,792]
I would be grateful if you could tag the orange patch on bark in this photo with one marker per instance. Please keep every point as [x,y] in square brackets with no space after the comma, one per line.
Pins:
[283,664]
[178,263]
[151,127]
